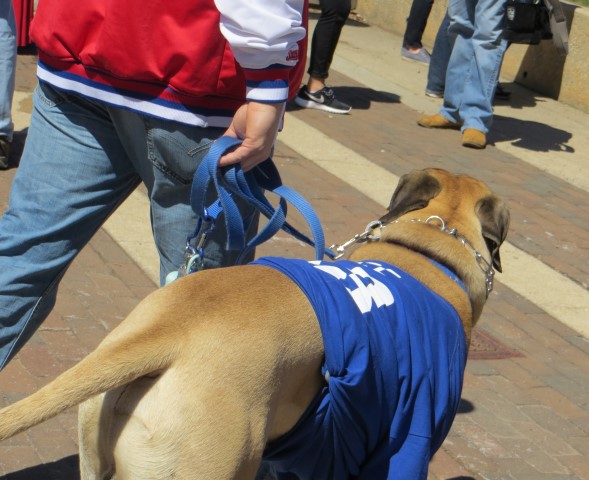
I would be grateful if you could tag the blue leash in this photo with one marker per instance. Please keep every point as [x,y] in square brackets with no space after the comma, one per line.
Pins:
[232,182]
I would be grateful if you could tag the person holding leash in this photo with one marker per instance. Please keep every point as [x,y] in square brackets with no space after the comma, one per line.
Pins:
[130,94]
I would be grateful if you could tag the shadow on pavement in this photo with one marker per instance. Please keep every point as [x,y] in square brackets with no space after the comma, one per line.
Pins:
[534,136]
[465,406]
[527,134]
[64,469]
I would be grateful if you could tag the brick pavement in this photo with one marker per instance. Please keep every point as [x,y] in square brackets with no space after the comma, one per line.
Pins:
[522,417]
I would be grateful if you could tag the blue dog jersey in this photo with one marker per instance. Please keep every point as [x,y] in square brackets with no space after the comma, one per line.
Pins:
[395,353]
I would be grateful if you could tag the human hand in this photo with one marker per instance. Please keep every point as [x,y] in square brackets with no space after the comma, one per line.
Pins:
[256,124]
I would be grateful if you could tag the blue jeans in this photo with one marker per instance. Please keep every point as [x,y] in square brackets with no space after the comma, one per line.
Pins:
[81,160]
[476,27]
[7,66]
[440,56]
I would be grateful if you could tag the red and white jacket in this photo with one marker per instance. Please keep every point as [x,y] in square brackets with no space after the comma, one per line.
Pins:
[191,61]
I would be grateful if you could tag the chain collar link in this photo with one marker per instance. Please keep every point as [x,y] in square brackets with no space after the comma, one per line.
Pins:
[367,235]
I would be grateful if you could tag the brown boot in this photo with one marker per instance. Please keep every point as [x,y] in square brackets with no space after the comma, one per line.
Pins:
[436,121]
[473,138]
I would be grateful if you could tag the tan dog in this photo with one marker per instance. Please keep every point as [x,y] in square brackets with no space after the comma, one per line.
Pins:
[205,372]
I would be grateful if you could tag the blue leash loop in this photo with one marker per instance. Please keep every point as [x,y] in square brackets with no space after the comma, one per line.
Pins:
[230,183]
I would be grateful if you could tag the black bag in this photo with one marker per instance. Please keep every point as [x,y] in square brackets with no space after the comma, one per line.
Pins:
[526,21]
[530,21]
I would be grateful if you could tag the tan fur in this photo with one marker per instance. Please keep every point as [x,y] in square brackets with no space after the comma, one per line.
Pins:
[207,370]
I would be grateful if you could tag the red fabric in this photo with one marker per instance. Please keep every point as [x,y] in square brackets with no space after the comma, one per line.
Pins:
[23,12]
[166,52]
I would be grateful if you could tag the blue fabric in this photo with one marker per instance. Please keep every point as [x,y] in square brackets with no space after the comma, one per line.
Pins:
[395,354]
[100,153]
[250,187]
[7,66]
[438,64]
[476,31]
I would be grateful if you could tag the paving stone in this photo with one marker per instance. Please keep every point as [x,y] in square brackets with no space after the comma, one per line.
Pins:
[578,464]
[512,370]
[546,418]
[445,466]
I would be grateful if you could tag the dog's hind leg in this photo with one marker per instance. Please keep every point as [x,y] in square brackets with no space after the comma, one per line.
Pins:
[157,429]
[162,430]
[245,368]
[96,461]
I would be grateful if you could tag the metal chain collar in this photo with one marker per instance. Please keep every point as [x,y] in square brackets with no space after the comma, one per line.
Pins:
[367,235]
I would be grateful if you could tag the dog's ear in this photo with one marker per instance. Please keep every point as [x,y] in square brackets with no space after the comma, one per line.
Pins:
[494,217]
[413,192]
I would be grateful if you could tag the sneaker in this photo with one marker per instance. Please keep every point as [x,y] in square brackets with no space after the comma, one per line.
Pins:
[501,93]
[433,94]
[323,99]
[4,153]
[421,56]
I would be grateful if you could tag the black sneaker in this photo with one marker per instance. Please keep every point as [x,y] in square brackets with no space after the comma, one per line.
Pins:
[433,93]
[501,93]
[323,99]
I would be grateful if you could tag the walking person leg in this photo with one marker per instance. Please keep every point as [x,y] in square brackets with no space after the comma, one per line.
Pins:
[474,66]
[412,48]
[166,156]
[488,48]
[73,173]
[315,94]
[7,78]
[473,69]
[460,32]
[101,153]
[436,74]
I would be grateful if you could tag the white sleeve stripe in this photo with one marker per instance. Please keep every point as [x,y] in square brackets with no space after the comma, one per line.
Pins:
[267,94]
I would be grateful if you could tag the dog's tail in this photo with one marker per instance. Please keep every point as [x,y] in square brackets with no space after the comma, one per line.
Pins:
[113,364]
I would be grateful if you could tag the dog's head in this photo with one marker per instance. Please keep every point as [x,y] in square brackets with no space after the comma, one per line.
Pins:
[463,202]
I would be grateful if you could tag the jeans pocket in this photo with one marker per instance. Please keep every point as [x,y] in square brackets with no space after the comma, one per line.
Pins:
[177,150]
[51,96]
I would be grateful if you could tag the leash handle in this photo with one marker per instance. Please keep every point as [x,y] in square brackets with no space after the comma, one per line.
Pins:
[207,174]
[232,181]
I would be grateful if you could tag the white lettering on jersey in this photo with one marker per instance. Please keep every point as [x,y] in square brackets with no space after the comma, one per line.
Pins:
[369,291]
